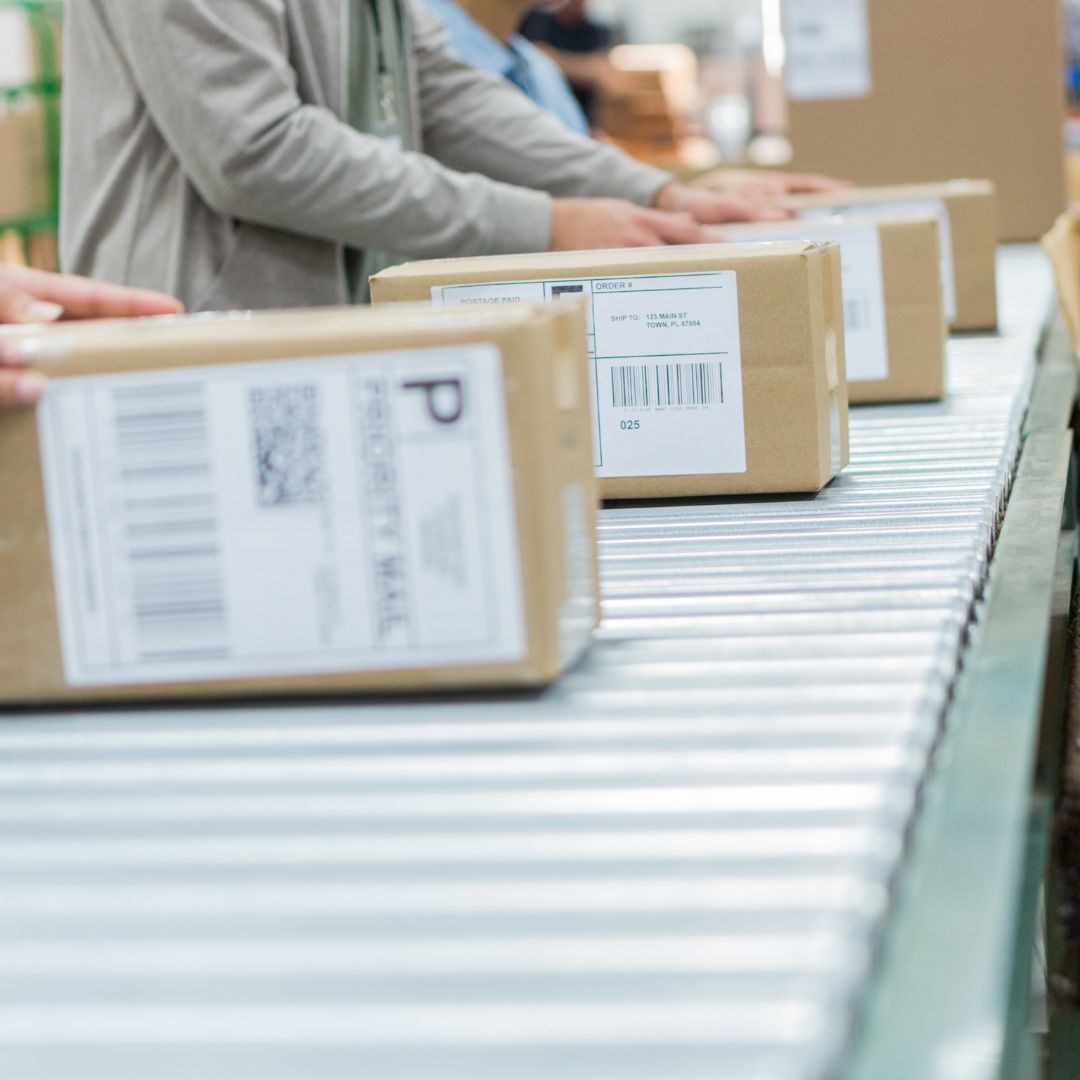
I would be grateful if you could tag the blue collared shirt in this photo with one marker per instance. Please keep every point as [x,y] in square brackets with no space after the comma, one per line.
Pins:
[519,62]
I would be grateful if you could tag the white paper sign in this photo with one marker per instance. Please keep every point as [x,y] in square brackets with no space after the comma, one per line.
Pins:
[667,386]
[18,59]
[331,514]
[910,208]
[865,330]
[827,49]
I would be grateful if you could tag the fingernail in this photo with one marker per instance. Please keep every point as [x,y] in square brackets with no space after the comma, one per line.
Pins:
[42,311]
[29,388]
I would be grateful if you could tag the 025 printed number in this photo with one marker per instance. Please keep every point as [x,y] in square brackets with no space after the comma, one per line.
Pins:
[630,425]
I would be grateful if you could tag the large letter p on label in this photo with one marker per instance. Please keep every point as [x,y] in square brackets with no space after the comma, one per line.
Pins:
[445,398]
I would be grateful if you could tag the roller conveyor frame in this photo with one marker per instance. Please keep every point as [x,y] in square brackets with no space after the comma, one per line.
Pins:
[770,877]
[952,997]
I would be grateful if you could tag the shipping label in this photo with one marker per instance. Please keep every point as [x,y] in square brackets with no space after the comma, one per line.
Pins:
[865,329]
[296,517]
[667,367]
[827,49]
[909,208]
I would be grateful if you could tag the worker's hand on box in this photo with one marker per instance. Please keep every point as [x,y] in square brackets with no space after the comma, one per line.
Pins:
[587,224]
[766,184]
[715,208]
[33,296]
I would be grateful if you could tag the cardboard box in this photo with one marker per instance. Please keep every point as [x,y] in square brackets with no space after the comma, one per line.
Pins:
[967,215]
[904,92]
[718,369]
[25,190]
[894,312]
[1062,246]
[659,92]
[299,503]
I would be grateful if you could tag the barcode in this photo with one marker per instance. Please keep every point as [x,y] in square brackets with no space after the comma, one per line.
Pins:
[857,313]
[288,444]
[168,515]
[664,386]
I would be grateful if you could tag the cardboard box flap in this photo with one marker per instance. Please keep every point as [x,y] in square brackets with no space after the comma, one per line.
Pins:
[958,188]
[733,233]
[252,335]
[600,262]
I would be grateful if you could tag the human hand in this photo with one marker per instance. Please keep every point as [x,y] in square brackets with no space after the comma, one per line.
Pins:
[586,224]
[714,208]
[34,296]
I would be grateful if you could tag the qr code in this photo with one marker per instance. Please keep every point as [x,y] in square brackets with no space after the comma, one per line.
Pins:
[288,445]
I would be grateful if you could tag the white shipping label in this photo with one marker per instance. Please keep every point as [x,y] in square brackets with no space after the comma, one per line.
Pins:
[912,208]
[865,330]
[667,366]
[331,514]
[827,49]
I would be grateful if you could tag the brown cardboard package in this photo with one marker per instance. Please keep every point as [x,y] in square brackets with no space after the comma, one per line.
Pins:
[962,88]
[967,211]
[320,503]
[24,173]
[1062,246]
[894,312]
[718,369]
[658,93]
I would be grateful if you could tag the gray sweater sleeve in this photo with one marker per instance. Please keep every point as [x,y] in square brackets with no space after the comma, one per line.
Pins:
[217,84]
[476,121]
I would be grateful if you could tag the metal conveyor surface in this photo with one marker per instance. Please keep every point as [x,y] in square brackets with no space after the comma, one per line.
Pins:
[676,864]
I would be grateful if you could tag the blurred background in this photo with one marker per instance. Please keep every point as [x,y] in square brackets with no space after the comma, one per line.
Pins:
[693,84]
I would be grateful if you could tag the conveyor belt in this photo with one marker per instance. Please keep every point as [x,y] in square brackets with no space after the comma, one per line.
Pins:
[678,863]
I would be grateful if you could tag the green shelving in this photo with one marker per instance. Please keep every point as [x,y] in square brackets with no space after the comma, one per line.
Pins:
[44,18]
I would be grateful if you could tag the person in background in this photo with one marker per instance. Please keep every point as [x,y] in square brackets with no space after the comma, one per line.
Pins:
[33,296]
[484,34]
[276,153]
[578,44]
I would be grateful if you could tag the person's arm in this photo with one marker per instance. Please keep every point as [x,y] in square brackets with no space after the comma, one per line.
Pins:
[217,83]
[476,121]
[32,296]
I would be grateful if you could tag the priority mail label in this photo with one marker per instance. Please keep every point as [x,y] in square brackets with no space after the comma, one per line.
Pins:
[329,514]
